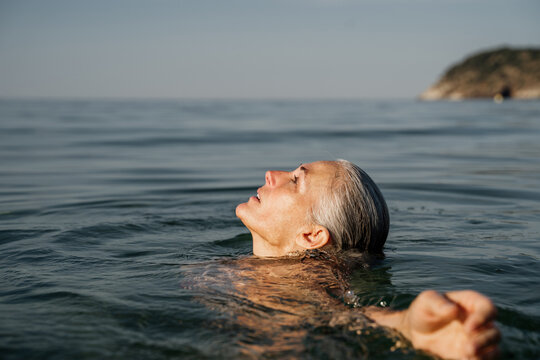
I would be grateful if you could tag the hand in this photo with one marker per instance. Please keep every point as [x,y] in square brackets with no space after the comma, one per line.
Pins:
[457,325]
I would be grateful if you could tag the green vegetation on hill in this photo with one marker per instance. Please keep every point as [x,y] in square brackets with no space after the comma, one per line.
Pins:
[501,72]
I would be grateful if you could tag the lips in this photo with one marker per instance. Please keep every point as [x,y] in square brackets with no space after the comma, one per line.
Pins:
[257,196]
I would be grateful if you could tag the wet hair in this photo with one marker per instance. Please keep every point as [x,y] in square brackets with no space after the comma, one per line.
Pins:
[353,211]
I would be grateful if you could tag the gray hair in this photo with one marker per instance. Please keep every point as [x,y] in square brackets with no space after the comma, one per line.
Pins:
[353,211]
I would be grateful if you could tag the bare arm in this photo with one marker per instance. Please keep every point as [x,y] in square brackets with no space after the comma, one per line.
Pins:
[457,325]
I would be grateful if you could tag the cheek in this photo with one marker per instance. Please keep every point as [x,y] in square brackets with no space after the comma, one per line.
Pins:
[288,219]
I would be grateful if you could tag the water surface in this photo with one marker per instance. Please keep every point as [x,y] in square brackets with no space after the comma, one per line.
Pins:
[118,237]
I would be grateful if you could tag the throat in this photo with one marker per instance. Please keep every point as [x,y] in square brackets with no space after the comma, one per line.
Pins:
[263,248]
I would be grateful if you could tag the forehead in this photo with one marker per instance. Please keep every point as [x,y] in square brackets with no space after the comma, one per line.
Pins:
[320,173]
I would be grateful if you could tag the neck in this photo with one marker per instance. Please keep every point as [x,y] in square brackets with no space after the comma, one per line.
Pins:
[263,248]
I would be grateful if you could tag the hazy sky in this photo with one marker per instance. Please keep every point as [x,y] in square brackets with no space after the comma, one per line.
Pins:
[247,48]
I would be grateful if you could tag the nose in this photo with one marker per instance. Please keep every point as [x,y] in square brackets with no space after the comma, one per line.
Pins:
[273,177]
[270,178]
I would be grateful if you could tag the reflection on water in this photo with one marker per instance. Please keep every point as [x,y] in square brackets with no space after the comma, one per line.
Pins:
[289,307]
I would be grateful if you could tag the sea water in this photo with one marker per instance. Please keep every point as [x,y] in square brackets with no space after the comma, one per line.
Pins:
[118,237]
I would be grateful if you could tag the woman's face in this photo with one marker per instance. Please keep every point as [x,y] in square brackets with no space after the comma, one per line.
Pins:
[279,214]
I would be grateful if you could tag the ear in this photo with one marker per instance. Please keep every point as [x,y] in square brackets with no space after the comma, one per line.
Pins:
[313,237]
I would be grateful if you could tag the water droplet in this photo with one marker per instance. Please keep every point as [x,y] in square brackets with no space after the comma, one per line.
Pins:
[349,297]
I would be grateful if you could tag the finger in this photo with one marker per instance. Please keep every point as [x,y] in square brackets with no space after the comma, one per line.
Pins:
[479,319]
[480,310]
[438,307]
[485,340]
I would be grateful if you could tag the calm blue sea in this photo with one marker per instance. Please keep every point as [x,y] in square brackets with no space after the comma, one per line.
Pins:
[118,238]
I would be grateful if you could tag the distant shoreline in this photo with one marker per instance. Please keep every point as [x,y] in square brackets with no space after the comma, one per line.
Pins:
[497,74]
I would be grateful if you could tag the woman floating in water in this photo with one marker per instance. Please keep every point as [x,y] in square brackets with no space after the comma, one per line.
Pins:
[335,206]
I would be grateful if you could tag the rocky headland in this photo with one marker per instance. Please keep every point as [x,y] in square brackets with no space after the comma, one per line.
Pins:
[498,74]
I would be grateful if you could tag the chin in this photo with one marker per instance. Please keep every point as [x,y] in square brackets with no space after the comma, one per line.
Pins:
[242,212]
[240,209]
